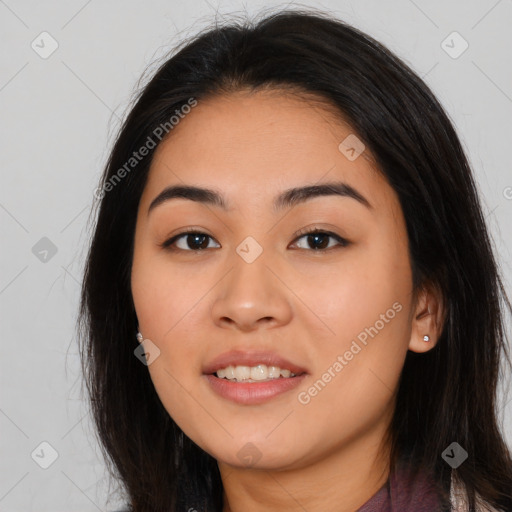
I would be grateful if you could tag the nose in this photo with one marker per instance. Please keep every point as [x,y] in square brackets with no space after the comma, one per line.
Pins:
[252,296]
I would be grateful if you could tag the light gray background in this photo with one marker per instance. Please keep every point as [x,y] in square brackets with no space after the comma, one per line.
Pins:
[58,119]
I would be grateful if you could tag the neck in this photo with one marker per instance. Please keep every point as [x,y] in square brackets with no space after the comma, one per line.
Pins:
[341,481]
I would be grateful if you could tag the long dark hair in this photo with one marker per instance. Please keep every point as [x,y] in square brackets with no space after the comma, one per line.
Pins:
[447,394]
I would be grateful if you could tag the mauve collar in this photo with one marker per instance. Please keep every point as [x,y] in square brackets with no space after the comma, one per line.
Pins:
[404,492]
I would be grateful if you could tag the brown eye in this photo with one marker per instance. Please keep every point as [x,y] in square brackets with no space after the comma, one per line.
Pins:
[318,240]
[193,241]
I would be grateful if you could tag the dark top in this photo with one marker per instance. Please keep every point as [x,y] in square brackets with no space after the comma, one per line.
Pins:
[405,493]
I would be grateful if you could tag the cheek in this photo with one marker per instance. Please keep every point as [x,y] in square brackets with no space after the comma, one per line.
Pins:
[170,306]
[354,293]
[366,305]
[357,369]
[167,304]
[163,294]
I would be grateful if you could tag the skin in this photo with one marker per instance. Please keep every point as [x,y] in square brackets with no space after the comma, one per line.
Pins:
[331,453]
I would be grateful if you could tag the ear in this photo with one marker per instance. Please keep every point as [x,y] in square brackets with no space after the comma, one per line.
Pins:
[428,319]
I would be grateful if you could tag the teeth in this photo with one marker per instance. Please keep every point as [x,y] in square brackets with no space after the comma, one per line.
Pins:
[258,373]
[254,373]
[242,372]
[273,372]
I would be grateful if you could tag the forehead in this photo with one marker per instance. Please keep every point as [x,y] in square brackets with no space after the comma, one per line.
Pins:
[256,144]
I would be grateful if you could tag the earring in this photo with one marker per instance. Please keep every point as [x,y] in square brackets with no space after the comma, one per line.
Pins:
[426,337]
[139,337]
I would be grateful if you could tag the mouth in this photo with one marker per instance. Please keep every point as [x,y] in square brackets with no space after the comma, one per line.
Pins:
[253,392]
[258,373]
[252,378]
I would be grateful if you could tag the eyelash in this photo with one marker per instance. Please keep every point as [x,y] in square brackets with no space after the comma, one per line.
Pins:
[167,245]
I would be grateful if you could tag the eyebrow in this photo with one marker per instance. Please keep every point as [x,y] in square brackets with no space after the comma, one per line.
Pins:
[288,198]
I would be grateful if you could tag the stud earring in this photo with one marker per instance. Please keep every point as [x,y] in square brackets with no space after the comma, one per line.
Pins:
[139,337]
[426,337]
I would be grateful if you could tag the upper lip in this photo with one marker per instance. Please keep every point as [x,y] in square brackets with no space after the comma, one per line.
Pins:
[251,358]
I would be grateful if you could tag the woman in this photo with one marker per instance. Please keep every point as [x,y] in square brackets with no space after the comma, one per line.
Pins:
[290,300]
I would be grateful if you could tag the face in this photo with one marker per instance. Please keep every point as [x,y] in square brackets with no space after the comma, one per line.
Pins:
[250,287]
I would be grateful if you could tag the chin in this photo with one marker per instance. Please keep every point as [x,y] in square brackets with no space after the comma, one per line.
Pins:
[257,452]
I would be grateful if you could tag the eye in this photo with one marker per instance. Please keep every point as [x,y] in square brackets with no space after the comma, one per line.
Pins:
[320,239]
[195,241]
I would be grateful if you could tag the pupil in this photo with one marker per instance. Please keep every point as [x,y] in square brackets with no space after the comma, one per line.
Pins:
[201,245]
[316,236]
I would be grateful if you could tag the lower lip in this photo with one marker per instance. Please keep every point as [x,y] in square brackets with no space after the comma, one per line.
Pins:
[253,393]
